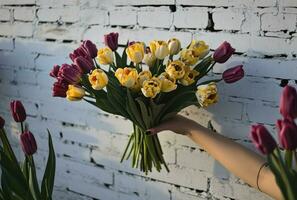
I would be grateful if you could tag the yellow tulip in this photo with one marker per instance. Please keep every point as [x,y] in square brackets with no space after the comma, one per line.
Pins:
[105,56]
[207,94]
[75,93]
[200,48]
[176,69]
[174,46]
[98,79]
[189,77]
[149,59]
[135,52]
[168,83]
[151,88]
[127,76]
[188,57]
[159,48]
[143,76]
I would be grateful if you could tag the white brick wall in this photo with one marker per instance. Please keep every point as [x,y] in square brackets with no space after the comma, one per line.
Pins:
[36,34]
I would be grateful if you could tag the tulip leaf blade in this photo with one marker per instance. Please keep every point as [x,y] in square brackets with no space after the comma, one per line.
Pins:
[145,113]
[12,178]
[134,109]
[48,179]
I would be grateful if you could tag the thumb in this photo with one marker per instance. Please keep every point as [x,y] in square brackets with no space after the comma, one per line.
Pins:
[157,129]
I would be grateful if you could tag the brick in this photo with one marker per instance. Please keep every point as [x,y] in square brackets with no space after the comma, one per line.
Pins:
[17,2]
[6,44]
[217,3]
[93,16]
[52,31]
[191,18]
[6,29]
[144,2]
[116,17]
[155,18]
[265,3]
[56,3]
[23,29]
[4,14]
[24,14]
[68,14]
[234,17]
[289,3]
[271,22]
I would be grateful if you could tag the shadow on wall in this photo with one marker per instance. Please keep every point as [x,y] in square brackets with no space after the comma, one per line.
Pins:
[89,142]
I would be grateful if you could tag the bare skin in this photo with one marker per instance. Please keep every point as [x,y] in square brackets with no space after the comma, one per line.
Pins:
[239,160]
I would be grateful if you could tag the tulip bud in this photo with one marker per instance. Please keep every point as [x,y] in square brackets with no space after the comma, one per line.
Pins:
[2,122]
[135,52]
[78,52]
[70,73]
[54,71]
[111,40]
[18,111]
[84,64]
[175,69]
[168,83]
[127,76]
[188,57]
[150,88]
[28,143]
[287,133]
[207,94]
[174,46]
[105,56]
[288,103]
[159,49]
[89,48]
[223,52]
[75,93]
[59,89]
[149,59]
[98,79]
[262,139]
[233,74]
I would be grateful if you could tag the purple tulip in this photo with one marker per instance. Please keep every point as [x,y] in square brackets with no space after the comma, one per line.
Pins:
[2,122]
[54,71]
[59,89]
[223,52]
[233,74]
[262,139]
[70,73]
[78,52]
[111,40]
[18,111]
[84,64]
[288,103]
[287,134]
[28,143]
[89,48]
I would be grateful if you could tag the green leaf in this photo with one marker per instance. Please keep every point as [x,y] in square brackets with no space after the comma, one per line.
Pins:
[134,109]
[33,182]
[25,168]
[13,178]
[49,174]
[119,62]
[7,148]
[146,117]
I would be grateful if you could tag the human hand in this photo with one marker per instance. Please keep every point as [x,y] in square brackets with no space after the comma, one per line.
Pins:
[177,124]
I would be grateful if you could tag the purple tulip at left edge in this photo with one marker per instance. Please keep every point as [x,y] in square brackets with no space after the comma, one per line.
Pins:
[223,52]
[111,40]
[28,143]
[262,139]
[2,122]
[288,103]
[233,74]
[287,134]
[90,48]
[54,72]
[70,73]
[18,111]
[84,64]
[59,89]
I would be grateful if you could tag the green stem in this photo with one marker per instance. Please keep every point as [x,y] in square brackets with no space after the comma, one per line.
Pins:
[289,158]
[33,183]
[127,147]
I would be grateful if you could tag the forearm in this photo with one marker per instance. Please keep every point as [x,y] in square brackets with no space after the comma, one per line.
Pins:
[241,161]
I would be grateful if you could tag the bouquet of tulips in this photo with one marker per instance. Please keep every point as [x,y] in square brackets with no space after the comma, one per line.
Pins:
[145,84]
[282,163]
[19,181]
